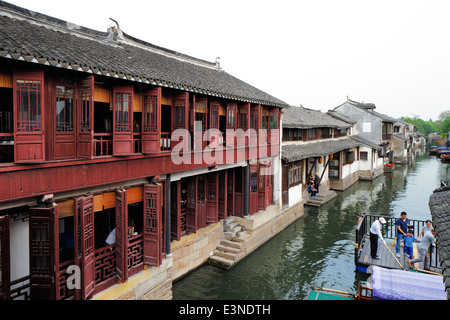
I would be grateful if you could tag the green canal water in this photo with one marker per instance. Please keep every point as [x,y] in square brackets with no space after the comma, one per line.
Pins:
[318,249]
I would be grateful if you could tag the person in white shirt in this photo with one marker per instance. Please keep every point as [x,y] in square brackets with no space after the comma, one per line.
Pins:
[375,234]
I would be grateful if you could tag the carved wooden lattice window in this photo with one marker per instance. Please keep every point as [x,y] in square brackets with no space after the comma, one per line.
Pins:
[123,112]
[85,123]
[243,118]
[178,114]
[150,113]
[231,117]
[28,106]
[64,109]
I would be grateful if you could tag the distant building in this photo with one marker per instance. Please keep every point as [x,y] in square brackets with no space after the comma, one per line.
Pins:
[321,144]
[370,124]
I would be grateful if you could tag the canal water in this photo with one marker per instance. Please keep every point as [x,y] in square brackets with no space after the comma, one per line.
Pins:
[318,249]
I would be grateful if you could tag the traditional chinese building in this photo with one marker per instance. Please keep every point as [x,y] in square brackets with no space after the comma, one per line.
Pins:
[103,136]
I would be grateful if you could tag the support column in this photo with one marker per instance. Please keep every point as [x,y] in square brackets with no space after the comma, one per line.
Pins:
[168,210]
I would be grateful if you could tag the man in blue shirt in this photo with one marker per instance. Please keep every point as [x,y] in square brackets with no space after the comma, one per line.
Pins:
[402,230]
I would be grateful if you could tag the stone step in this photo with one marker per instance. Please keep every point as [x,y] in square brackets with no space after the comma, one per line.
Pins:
[222,260]
[229,243]
[229,249]
[226,255]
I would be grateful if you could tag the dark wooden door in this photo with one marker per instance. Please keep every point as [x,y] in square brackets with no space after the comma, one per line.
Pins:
[121,235]
[191,206]
[175,210]
[29,115]
[4,258]
[152,225]
[201,202]
[212,198]
[239,192]
[85,205]
[253,198]
[230,193]
[86,118]
[151,133]
[42,253]
[222,208]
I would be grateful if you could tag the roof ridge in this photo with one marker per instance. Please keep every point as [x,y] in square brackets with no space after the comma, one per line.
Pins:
[111,37]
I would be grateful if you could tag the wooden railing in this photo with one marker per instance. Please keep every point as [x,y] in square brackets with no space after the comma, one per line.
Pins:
[105,263]
[165,141]
[20,289]
[103,144]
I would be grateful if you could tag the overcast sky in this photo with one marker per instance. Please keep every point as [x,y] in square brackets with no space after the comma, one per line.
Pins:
[395,53]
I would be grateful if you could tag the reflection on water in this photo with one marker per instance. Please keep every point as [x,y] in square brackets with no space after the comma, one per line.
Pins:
[318,249]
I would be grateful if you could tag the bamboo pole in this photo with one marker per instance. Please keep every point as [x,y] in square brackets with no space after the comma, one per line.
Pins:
[394,256]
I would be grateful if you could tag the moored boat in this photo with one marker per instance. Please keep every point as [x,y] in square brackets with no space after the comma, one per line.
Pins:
[445,156]
[432,151]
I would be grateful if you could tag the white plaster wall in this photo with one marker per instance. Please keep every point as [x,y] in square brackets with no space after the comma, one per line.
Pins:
[295,195]
[19,249]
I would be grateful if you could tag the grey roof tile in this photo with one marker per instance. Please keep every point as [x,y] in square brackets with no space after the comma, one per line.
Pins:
[27,33]
[303,118]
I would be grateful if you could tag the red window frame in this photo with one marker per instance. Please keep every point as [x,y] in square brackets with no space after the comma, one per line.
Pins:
[65,101]
[150,110]
[123,111]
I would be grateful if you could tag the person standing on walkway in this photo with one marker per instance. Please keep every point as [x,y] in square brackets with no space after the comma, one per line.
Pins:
[427,240]
[402,230]
[375,234]
[427,227]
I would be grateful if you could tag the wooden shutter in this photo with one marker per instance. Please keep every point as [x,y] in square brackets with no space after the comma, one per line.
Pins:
[85,205]
[212,195]
[214,121]
[86,118]
[4,258]
[191,206]
[121,235]
[151,110]
[29,115]
[180,117]
[152,225]
[42,253]
[123,121]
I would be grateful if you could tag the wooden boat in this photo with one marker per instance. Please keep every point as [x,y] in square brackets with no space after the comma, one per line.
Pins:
[445,156]
[432,151]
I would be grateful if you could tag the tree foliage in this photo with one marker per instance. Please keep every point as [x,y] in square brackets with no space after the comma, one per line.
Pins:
[441,126]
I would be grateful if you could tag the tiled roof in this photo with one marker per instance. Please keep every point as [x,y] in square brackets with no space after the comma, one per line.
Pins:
[33,37]
[439,204]
[303,118]
[369,107]
[295,151]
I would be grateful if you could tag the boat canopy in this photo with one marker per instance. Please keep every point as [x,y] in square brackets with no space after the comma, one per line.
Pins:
[393,284]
